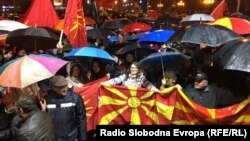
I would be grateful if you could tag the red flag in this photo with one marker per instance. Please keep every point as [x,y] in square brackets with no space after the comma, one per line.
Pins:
[219,10]
[74,24]
[89,93]
[40,13]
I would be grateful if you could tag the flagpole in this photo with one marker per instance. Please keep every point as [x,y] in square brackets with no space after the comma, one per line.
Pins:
[238,6]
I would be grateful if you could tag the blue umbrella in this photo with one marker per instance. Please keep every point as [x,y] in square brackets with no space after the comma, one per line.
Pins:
[159,36]
[89,52]
[161,58]
[114,38]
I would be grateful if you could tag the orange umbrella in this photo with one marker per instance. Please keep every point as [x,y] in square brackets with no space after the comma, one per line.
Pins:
[88,21]
[238,25]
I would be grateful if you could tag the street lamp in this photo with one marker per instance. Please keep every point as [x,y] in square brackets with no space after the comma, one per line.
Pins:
[160,5]
[208,2]
[181,3]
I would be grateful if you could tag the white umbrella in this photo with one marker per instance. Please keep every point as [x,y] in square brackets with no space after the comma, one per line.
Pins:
[9,25]
[198,17]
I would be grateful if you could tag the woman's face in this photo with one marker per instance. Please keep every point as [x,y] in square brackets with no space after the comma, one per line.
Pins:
[75,71]
[134,69]
[129,58]
[95,67]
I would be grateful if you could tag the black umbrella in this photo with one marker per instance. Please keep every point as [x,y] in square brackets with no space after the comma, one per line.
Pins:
[34,38]
[112,25]
[138,50]
[234,56]
[210,35]
[98,33]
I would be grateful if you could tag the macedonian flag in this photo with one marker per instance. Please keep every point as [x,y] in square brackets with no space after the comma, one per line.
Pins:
[134,106]
[188,112]
[89,93]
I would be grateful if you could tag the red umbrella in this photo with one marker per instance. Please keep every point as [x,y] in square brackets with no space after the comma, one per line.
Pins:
[137,27]
[153,14]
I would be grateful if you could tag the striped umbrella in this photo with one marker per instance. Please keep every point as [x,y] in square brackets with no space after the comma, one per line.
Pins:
[30,69]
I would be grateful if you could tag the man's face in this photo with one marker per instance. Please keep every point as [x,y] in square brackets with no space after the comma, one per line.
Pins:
[200,84]
[61,90]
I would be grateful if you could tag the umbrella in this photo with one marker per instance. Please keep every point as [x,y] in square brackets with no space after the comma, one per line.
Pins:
[98,33]
[34,38]
[134,37]
[137,27]
[197,17]
[30,69]
[89,52]
[210,35]
[138,50]
[234,55]
[159,59]
[9,25]
[112,25]
[238,25]
[160,36]
[153,14]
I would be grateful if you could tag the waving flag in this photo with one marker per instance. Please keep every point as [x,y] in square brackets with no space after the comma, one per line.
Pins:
[188,112]
[89,93]
[74,24]
[135,106]
[219,10]
[40,13]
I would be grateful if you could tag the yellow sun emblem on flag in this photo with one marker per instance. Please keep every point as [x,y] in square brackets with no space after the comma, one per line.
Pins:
[140,104]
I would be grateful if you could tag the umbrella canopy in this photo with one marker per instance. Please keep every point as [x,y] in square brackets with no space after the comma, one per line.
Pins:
[137,27]
[112,25]
[234,55]
[168,59]
[134,37]
[160,36]
[30,69]
[210,35]
[9,25]
[34,38]
[90,52]
[198,17]
[238,25]
[98,33]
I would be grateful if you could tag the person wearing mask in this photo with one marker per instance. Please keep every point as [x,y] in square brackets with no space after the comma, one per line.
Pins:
[67,111]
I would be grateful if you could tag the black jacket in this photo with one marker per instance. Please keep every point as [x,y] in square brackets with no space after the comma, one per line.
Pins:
[212,96]
[68,114]
[37,126]
[5,124]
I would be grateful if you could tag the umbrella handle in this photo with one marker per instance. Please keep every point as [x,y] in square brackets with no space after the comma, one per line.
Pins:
[162,67]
